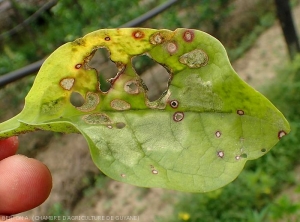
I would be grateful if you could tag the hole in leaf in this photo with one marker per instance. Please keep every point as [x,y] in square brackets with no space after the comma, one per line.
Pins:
[76,99]
[106,68]
[154,76]
[120,125]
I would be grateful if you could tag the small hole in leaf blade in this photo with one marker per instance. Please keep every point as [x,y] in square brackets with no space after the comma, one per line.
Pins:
[76,99]
[120,125]
[263,150]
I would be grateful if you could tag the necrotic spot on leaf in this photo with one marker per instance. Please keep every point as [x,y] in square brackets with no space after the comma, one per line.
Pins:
[118,104]
[281,134]
[240,112]
[188,35]
[220,154]
[178,116]
[78,66]
[154,171]
[174,104]
[156,38]
[123,175]
[67,83]
[194,59]
[138,34]
[107,38]
[97,118]
[131,87]
[91,102]
[172,47]
[218,134]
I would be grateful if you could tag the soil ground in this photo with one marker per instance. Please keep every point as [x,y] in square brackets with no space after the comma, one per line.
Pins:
[81,188]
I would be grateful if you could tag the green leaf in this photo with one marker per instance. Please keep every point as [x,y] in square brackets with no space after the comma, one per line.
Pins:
[196,137]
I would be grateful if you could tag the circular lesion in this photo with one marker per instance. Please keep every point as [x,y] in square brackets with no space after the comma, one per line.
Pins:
[91,102]
[67,83]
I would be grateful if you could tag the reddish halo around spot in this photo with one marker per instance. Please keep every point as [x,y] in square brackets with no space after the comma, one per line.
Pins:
[174,103]
[172,47]
[240,112]
[138,34]
[178,116]
[218,134]
[188,36]
[281,134]
[78,66]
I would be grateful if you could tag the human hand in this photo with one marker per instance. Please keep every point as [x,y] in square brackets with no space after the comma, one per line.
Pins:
[25,183]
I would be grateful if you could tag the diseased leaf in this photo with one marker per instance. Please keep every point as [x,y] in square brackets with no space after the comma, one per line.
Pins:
[196,137]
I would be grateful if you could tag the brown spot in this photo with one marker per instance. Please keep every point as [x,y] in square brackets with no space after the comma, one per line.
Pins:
[188,36]
[107,38]
[220,154]
[178,116]
[157,38]
[218,134]
[67,83]
[123,175]
[78,66]
[138,34]
[240,112]
[131,87]
[172,47]
[174,104]
[281,134]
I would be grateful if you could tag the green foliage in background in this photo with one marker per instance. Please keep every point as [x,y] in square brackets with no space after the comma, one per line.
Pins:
[57,26]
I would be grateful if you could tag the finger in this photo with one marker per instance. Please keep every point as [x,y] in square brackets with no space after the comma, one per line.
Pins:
[8,147]
[25,183]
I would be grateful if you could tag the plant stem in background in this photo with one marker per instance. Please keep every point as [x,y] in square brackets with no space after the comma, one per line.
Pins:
[287,25]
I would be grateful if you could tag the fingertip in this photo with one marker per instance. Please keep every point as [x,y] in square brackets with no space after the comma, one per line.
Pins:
[8,147]
[25,183]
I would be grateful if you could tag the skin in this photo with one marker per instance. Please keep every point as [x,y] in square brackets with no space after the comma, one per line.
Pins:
[25,183]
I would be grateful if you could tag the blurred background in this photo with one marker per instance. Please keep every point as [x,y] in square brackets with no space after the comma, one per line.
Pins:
[267,190]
